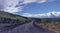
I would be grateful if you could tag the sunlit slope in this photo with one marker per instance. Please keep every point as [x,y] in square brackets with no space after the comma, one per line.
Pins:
[12,16]
[8,19]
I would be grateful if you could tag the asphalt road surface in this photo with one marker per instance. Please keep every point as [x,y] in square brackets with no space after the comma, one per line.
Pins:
[28,28]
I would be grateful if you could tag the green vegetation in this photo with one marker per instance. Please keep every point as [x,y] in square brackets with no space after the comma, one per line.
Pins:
[8,19]
[12,16]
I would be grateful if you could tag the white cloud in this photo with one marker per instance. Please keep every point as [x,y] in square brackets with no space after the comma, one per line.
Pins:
[42,1]
[13,9]
[10,5]
[46,15]
[32,1]
[37,1]
[28,1]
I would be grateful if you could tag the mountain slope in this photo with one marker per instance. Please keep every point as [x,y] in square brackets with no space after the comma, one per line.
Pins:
[8,19]
[11,16]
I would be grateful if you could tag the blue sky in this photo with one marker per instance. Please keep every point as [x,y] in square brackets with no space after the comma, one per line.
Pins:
[35,7]
[42,8]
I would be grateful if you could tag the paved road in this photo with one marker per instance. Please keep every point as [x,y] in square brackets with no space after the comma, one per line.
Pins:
[27,28]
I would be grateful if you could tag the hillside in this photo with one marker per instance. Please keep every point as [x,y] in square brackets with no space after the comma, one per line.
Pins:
[8,19]
[12,16]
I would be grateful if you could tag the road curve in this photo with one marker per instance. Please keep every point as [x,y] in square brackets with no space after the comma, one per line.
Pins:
[28,28]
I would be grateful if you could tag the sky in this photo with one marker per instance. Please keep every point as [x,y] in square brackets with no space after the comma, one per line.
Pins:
[31,8]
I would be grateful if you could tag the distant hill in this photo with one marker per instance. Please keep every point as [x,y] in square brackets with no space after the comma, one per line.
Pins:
[8,19]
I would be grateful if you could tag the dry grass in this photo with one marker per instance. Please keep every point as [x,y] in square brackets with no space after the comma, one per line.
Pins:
[54,26]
